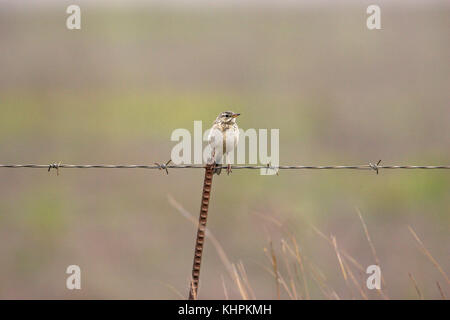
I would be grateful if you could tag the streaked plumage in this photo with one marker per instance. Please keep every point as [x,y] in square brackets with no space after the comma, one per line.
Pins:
[223,138]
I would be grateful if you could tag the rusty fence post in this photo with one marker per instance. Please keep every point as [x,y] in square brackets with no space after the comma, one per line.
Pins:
[201,229]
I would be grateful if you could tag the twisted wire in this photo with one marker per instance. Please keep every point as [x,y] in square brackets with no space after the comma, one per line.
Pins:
[166,166]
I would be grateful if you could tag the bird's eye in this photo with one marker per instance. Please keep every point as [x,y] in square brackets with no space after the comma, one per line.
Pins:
[227,115]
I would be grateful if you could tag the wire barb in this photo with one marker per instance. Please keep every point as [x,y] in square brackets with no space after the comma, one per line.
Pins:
[54,166]
[375,167]
[163,166]
[269,166]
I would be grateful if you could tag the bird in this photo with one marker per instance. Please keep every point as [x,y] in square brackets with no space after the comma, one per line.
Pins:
[223,138]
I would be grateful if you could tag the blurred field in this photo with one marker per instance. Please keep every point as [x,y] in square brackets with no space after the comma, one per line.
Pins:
[114,91]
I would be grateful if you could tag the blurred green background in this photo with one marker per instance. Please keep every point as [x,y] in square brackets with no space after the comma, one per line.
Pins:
[114,91]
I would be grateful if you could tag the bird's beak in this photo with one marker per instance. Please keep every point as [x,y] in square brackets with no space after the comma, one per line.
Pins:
[235,115]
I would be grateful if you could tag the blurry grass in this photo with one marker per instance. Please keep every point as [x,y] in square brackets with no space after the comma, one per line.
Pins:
[348,265]
[43,215]
[40,220]
[126,115]
[115,91]
[292,278]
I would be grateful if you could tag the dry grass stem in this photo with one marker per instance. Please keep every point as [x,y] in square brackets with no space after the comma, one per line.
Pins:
[355,282]
[225,291]
[341,264]
[174,290]
[428,254]
[374,252]
[289,270]
[219,249]
[244,277]
[416,286]
[344,253]
[440,291]
[275,269]
[302,269]
[239,283]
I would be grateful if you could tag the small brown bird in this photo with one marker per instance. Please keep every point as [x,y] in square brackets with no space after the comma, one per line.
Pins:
[223,138]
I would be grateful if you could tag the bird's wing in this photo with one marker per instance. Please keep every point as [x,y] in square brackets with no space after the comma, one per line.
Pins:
[211,138]
[213,143]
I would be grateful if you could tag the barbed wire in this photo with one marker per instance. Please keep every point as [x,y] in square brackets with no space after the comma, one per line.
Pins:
[166,166]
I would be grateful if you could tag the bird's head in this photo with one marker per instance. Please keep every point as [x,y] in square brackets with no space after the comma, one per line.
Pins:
[227,117]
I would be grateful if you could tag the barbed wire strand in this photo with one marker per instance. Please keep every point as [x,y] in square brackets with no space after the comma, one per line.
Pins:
[166,166]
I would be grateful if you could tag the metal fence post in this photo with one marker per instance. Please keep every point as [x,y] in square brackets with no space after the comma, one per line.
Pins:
[198,251]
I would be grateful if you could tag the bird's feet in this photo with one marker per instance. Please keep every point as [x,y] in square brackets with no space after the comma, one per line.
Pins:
[229,169]
[217,168]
